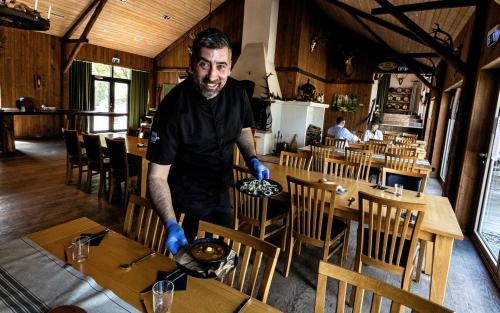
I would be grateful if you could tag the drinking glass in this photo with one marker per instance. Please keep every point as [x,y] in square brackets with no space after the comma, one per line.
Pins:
[80,248]
[163,295]
[398,190]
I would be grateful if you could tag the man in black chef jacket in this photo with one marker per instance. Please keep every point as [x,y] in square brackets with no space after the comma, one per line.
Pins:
[192,140]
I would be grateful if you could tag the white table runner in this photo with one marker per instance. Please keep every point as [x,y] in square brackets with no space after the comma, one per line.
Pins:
[32,280]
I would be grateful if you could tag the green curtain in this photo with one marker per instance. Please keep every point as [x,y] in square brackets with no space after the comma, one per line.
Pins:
[383,91]
[80,86]
[138,98]
[165,89]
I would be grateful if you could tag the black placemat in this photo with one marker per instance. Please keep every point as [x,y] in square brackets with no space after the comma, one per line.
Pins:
[96,238]
[177,276]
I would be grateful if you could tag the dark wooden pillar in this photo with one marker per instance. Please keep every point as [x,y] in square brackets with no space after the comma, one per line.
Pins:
[464,113]
[7,140]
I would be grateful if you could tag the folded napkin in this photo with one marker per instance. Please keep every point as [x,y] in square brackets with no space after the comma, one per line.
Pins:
[96,238]
[184,259]
[177,276]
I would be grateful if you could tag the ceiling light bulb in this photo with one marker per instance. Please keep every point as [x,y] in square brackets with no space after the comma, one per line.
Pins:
[166,17]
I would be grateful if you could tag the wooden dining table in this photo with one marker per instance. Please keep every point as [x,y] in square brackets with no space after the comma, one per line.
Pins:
[201,295]
[440,225]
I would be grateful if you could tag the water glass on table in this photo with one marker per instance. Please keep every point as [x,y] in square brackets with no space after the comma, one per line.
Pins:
[398,190]
[163,295]
[79,248]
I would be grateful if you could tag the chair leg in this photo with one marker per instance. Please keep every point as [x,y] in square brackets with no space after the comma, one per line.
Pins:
[285,232]
[289,255]
[102,182]
[88,185]
[69,170]
[345,248]
[80,170]
[421,255]
[299,248]
[112,183]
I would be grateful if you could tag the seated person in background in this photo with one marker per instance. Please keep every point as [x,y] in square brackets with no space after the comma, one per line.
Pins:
[340,132]
[373,133]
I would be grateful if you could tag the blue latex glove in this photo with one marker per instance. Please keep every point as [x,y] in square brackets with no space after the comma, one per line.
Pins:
[175,237]
[258,169]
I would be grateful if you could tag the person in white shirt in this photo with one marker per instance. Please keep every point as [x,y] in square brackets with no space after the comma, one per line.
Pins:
[340,132]
[373,133]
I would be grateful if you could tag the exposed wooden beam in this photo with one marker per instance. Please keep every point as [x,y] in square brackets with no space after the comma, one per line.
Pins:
[412,65]
[423,6]
[171,69]
[421,55]
[357,12]
[84,35]
[443,51]
[78,21]
[75,41]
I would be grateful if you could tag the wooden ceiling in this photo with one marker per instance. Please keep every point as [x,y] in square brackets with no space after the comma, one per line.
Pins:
[134,26]
[451,20]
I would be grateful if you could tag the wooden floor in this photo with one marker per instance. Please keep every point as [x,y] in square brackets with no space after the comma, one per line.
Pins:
[33,196]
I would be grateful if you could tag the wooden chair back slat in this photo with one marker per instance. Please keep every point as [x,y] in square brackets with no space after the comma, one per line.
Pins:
[377,146]
[405,140]
[250,209]
[400,162]
[364,284]
[339,143]
[266,255]
[340,168]
[310,202]
[402,150]
[142,224]
[329,140]
[294,160]
[319,153]
[362,159]
[387,226]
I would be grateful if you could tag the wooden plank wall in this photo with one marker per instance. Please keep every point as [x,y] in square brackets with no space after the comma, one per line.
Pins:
[229,19]
[97,54]
[24,54]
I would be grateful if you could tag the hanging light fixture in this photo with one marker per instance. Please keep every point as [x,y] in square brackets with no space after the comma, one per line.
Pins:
[23,17]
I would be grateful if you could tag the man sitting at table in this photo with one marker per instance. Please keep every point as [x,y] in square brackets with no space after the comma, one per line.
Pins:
[192,141]
[373,133]
[340,132]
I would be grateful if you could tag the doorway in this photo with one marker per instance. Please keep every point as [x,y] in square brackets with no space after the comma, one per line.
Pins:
[452,115]
[111,93]
[487,228]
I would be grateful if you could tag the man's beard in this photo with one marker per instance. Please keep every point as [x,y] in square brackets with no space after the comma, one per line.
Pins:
[201,85]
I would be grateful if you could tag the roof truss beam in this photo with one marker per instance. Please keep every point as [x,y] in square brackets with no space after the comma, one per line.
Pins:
[85,33]
[412,65]
[360,13]
[441,50]
[424,6]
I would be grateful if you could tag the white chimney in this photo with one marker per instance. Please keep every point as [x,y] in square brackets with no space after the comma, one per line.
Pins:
[260,23]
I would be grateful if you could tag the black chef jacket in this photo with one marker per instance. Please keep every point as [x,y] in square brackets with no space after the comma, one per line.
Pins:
[197,136]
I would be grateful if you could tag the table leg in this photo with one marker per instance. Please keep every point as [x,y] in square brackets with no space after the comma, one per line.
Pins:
[7,140]
[428,257]
[443,247]
[144,176]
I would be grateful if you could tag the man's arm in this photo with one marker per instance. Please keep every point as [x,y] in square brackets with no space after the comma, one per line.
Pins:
[247,149]
[160,191]
[350,136]
[246,144]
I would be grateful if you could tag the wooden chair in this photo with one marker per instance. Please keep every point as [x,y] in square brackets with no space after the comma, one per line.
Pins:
[400,162]
[133,131]
[121,169]
[318,155]
[388,234]
[258,212]
[312,222]
[402,150]
[339,143]
[74,156]
[244,244]
[329,140]
[389,137]
[411,181]
[97,162]
[391,133]
[405,140]
[362,159]
[294,160]
[409,135]
[143,224]
[378,289]
[340,168]
[377,146]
